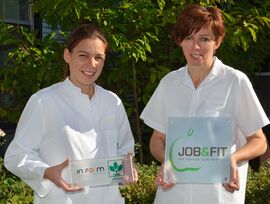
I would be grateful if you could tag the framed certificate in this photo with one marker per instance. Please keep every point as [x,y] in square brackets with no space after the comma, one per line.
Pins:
[198,149]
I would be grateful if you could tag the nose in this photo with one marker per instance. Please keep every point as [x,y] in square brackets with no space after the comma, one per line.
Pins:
[196,44]
[92,61]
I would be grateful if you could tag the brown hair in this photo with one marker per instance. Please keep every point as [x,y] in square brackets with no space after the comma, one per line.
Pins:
[195,17]
[84,31]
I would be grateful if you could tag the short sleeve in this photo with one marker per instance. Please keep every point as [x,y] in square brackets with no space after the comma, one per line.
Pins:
[249,112]
[154,113]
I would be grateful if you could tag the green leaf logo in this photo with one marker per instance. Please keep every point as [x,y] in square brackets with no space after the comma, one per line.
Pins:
[116,169]
[192,169]
[190,132]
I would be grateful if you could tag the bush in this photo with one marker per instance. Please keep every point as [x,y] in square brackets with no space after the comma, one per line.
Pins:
[258,185]
[144,190]
[12,189]
[15,191]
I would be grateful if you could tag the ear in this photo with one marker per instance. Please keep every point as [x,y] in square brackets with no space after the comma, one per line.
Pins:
[218,43]
[66,55]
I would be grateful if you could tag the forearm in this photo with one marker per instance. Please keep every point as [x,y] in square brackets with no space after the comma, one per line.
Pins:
[25,163]
[157,145]
[256,145]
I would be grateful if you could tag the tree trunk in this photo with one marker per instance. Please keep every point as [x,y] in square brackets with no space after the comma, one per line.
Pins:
[136,111]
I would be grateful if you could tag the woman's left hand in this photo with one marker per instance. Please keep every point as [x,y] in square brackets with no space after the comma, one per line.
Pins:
[234,184]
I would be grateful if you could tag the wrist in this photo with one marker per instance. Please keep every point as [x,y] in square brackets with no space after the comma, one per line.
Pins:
[234,158]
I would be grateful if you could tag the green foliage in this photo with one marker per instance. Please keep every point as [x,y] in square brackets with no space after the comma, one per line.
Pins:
[12,189]
[258,186]
[248,26]
[32,65]
[142,192]
[141,50]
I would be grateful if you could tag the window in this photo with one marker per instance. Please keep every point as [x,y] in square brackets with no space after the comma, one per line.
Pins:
[16,12]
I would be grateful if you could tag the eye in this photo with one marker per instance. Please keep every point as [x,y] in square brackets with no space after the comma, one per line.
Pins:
[188,37]
[204,39]
[99,58]
[83,56]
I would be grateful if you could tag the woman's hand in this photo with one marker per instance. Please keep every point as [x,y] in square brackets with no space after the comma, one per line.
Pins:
[234,184]
[127,180]
[159,181]
[256,145]
[130,169]
[54,175]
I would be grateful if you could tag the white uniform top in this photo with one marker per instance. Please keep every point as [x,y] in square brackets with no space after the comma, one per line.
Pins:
[225,91]
[60,122]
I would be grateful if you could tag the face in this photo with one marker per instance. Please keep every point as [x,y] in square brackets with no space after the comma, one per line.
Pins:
[86,62]
[199,48]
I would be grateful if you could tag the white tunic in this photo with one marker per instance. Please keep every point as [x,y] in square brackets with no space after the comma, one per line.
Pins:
[60,122]
[225,91]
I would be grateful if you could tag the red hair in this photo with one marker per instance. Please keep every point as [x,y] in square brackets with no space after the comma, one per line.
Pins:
[195,17]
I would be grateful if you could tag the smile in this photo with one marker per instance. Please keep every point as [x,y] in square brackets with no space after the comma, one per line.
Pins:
[88,73]
[196,55]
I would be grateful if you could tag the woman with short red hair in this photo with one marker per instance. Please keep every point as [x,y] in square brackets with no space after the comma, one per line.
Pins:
[206,87]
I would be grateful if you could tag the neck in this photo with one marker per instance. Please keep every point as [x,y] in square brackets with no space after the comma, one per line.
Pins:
[198,74]
[88,90]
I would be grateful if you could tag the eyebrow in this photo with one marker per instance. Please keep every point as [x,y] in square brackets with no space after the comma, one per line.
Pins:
[205,35]
[85,52]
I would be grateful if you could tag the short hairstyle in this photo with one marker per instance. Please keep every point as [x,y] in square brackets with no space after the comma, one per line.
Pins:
[195,17]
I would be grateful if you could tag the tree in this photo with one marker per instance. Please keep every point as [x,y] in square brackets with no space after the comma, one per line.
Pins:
[141,50]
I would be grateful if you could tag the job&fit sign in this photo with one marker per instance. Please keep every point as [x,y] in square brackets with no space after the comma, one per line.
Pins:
[101,171]
[198,150]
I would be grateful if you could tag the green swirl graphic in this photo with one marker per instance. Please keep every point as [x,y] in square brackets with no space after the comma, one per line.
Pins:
[191,169]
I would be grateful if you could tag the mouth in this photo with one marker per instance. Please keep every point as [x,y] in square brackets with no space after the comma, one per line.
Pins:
[196,55]
[88,73]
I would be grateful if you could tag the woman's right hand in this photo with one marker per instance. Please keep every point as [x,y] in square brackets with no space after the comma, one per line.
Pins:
[159,181]
[54,175]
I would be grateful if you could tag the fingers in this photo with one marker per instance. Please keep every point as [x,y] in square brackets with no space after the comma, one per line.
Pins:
[159,181]
[167,186]
[68,187]
[127,180]
[54,175]
[234,184]
[228,187]
[136,177]
[131,174]
[234,180]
